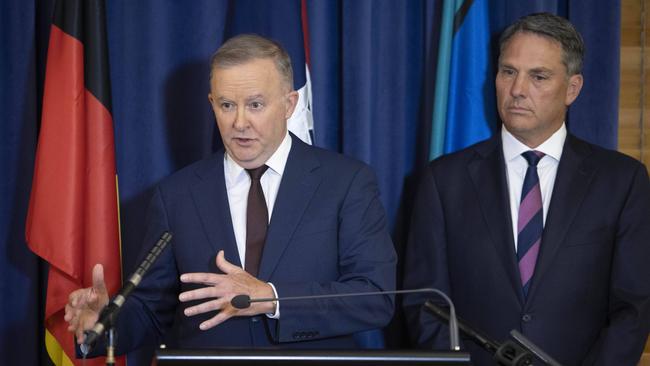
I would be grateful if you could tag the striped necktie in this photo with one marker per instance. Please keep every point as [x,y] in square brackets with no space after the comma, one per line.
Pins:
[531,221]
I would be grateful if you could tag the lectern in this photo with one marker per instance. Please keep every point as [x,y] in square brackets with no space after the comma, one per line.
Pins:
[275,357]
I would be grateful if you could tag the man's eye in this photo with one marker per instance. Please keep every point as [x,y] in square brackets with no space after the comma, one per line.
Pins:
[507,72]
[256,105]
[226,106]
[539,77]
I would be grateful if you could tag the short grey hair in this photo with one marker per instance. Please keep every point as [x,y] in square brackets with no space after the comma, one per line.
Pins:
[243,48]
[557,29]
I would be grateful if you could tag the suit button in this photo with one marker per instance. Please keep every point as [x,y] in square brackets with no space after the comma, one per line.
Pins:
[526,318]
[255,319]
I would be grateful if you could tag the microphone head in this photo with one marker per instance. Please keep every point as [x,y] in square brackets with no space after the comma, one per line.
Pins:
[241,301]
[89,341]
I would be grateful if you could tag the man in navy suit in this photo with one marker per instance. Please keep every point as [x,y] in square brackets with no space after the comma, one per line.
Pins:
[535,229]
[268,217]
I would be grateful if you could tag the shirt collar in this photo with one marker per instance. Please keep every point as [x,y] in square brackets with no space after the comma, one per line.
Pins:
[278,160]
[276,163]
[512,148]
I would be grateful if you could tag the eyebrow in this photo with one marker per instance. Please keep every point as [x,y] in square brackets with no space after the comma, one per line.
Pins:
[253,97]
[543,70]
[535,70]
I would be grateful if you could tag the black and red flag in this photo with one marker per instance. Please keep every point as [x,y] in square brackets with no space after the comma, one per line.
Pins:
[72,221]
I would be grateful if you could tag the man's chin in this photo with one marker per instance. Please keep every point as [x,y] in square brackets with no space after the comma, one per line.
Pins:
[517,122]
[246,160]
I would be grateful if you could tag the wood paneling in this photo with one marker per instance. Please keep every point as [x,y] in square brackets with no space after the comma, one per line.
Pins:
[634,95]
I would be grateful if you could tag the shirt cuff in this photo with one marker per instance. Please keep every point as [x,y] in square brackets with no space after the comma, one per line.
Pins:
[275,315]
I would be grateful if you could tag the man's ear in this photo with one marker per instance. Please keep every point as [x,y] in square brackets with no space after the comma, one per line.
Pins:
[291,102]
[573,90]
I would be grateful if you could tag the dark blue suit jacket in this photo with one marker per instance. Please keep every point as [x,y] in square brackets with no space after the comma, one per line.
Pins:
[590,296]
[327,235]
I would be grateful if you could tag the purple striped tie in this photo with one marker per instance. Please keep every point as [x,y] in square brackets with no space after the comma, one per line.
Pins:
[531,221]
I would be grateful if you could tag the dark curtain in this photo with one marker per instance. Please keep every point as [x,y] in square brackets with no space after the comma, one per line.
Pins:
[372,68]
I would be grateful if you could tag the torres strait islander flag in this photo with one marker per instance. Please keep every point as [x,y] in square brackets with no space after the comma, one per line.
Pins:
[464,106]
[72,221]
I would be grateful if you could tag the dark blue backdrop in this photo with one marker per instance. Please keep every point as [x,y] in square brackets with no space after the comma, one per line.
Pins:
[373,66]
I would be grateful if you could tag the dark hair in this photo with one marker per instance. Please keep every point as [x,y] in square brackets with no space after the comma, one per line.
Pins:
[556,28]
[247,47]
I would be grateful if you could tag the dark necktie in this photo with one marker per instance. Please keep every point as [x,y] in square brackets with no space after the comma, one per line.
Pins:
[257,221]
[531,221]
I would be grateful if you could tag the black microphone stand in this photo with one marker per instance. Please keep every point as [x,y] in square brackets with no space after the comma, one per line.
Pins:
[507,353]
[108,315]
[110,348]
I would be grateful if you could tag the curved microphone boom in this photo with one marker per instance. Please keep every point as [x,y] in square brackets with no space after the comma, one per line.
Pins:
[244,301]
[507,353]
[109,312]
[533,348]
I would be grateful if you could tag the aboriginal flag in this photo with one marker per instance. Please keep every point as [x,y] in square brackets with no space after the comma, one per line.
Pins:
[72,222]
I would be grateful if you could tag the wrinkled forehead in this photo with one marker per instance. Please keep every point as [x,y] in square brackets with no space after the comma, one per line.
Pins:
[532,51]
[261,73]
[265,66]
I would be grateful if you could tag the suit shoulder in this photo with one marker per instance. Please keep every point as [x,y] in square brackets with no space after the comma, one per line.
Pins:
[459,159]
[331,160]
[606,158]
[191,172]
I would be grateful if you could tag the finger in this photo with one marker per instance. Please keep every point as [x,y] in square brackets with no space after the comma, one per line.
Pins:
[203,278]
[79,333]
[98,278]
[71,325]
[205,307]
[225,266]
[74,325]
[90,298]
[76,297]
[201,293]
[223,315]
[67,316]
[72,321]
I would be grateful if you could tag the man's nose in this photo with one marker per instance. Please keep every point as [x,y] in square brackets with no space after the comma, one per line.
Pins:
[519,87]
[241,121]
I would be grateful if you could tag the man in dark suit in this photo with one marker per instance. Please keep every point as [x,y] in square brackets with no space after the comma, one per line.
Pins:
[268,217]
[535,229]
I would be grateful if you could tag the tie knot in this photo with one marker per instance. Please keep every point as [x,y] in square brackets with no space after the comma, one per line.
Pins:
[257,173]
[533,157]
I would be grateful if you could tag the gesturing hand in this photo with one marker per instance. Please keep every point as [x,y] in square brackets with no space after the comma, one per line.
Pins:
[221,288]
[84,305]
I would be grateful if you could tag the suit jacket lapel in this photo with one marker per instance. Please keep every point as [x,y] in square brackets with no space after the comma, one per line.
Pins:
[488,174]
[299,182]
[574,174]
[211,200]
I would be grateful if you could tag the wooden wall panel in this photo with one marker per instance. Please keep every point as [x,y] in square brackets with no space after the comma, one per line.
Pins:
[634,96]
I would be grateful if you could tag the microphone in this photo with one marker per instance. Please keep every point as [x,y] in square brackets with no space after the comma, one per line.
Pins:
[244,301]
[482,340]
[506,354]
[109,313]
[533,348]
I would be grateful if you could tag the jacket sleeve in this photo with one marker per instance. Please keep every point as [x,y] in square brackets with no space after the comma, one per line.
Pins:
[366,262]
[621,342]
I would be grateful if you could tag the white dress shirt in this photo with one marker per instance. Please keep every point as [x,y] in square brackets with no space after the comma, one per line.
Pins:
[516,166]
[238,183]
